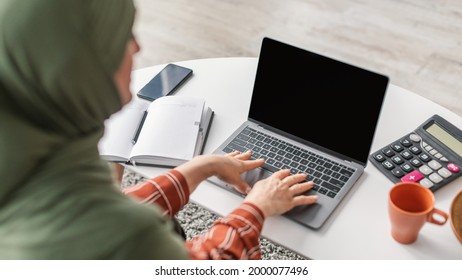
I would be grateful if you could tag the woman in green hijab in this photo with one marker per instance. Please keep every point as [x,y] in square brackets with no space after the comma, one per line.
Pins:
[64,68]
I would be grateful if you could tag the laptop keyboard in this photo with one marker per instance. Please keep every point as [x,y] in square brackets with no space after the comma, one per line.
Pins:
[328,176]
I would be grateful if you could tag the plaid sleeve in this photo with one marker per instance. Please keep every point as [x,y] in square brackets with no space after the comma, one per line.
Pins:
[169,190]
[235,236]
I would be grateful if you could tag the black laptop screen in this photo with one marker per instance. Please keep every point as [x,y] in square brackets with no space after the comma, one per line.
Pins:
[317,99]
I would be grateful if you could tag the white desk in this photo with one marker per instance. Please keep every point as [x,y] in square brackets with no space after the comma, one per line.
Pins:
[359,228]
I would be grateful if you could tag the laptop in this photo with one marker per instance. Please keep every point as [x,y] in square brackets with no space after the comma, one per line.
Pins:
[313,114]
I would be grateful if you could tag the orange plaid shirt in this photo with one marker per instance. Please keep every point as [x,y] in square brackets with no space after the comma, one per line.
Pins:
[235,236]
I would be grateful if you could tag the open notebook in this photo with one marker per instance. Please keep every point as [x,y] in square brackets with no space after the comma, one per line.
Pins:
[166,132]
[311,114]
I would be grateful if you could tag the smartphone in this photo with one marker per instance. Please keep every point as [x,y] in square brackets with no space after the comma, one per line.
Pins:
[165,82]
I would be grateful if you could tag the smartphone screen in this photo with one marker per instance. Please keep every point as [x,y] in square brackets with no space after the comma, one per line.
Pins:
[165,82]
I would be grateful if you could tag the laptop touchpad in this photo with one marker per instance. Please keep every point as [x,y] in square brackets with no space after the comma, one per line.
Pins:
[255,175]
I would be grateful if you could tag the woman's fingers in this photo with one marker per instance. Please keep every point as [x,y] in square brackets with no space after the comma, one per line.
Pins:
[281,174]
[297,186]
[293,179]
[243,156]
[232,154]
[301,187]
[304,200]
[252,164]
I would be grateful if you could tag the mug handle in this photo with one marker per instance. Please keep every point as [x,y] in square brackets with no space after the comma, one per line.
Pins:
[440,213]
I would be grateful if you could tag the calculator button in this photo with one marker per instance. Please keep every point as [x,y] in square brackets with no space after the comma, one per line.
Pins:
[444,172]
[406,168]
[405,142]
[414,176]
[435,178]
[424,169]
[397,147]
[388,152]
[414,137]
[434,165]
[415,150]
[426,183]
[438,155]
[388,165]
[397,160]
[444,159]
[426,146]
[406,155]
[379,157]
[425,157]
[416,162]
[398,173]
[453,167]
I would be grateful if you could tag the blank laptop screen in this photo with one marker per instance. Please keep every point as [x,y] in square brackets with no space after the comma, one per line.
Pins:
[318,99]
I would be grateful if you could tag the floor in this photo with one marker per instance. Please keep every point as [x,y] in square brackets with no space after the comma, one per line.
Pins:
[418,44]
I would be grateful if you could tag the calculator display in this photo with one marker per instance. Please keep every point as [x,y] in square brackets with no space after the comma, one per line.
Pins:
[445,138]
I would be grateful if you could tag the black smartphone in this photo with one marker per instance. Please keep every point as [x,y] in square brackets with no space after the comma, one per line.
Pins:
[165,82]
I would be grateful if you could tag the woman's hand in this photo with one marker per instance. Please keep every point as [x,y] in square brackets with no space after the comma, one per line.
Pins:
[237,164]
[228,168]
[280,193]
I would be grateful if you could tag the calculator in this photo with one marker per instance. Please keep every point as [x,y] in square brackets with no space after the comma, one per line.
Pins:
[431,155]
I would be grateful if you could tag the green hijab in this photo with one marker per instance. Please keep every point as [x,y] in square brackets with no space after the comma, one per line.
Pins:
[57,199]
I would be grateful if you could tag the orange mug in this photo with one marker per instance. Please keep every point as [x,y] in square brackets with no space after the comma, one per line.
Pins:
[410,206]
